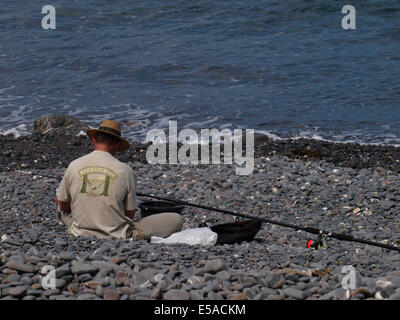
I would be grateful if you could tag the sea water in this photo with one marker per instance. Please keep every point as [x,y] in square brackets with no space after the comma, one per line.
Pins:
[286,68]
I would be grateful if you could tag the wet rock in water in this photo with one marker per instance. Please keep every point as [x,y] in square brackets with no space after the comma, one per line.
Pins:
[53,124]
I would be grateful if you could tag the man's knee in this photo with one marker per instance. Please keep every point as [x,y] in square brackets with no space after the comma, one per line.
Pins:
[160,224]
[175,219]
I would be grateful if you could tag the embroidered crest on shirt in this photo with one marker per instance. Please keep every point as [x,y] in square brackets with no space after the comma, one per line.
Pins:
[96,180]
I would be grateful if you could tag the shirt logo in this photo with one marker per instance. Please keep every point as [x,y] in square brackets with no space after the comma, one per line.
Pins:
[96,180]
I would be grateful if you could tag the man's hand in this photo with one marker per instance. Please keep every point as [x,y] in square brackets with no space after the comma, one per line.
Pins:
[63,206]
[130,213]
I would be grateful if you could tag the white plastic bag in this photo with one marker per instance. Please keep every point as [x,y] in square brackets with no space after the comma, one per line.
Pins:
[199,236]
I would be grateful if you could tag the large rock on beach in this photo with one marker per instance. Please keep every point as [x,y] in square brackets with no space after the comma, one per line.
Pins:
[53,124]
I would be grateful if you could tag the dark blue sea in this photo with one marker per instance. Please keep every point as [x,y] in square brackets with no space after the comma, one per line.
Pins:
[286,68]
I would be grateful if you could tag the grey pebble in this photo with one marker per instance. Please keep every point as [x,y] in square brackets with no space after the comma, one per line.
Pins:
[196,295]
[20,266]
[14,278]
[294,293]
[212,267]
[82,267]
[34,292]
[85,277]
[63,270]
[175,294]
[26,280]
[223,275]
[87,296]
[17,291]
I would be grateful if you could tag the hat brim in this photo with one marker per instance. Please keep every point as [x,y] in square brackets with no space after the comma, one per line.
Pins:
[124,144]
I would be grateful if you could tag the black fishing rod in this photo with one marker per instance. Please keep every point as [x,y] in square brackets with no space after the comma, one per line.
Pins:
[321,234]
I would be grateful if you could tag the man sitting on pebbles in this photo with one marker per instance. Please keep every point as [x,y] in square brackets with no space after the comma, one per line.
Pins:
[97,195]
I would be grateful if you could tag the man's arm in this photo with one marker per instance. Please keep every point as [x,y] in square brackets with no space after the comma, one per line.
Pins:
[130,199]
[62,192]
[63,206]
[130,213]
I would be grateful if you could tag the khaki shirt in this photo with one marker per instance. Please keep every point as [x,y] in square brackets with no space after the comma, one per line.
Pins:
[100,189]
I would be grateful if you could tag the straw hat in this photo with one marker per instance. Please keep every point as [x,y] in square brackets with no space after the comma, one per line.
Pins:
[113,128]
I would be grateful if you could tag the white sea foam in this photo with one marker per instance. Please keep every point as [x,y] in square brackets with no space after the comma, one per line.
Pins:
[202,124]
[81,134]
[270,135]
[384,140]
[16,132]
[136,129]
[2,90]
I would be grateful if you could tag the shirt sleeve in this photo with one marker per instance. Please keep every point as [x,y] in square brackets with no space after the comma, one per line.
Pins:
[130,199]
[63,191]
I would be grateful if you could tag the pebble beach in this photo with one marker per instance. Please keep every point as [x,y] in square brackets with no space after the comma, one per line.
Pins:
[340,188]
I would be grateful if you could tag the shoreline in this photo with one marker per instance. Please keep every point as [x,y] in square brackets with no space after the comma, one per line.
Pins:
[55,149]
[25,130]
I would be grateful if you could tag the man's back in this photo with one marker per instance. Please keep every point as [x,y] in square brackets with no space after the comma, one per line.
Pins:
[100,189]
